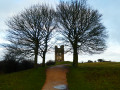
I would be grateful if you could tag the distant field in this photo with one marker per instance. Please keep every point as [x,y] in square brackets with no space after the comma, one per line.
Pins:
[32,79]
[95,76]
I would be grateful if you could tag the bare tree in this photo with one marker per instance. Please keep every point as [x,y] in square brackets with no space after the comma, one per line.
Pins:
[81,27]
[14,52]
[49,22]
[32,29]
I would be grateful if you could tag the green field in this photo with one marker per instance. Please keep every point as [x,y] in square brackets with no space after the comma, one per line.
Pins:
[32,79]
[94,76]
[88,76]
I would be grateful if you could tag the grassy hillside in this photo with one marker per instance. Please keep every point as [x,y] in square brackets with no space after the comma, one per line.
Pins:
[32,79]
[95,76]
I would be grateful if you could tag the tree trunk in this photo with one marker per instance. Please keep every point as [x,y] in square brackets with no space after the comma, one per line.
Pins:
[75,57]
[36,54]
[43,63]
[44,52]
[36,57]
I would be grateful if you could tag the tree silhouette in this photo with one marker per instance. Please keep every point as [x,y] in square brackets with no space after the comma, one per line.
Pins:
[32,29]
[13,52]
[49,24]
[81,27]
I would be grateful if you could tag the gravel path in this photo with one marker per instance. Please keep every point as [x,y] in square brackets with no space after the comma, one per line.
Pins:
[56,78]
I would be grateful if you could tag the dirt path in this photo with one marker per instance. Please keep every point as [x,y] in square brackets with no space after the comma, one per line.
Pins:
[56,77]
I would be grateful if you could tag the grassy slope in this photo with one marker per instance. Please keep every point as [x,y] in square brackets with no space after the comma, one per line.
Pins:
[88,76]
[94,76]
[32,79]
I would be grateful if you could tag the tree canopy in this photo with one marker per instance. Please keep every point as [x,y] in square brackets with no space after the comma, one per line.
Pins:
[32,30]
[81,27]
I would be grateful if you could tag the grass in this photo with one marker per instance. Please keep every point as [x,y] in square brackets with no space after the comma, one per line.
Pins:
[32,79]
[94,76]
[88,76]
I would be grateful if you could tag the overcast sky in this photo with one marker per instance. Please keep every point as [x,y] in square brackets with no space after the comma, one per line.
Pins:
[110,9]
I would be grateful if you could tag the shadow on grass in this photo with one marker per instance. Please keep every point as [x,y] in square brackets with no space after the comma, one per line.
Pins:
[32,79]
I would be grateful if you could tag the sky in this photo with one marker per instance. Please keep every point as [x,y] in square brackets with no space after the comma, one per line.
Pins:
[110,9]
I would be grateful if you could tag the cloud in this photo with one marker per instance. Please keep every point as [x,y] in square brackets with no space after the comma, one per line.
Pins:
[109,9]
[111,13]
[9,8]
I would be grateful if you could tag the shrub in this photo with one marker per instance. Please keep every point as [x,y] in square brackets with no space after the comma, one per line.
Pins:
[26,64]
[50,62]
[10,66]
[89,61]
[1,66]
[101,60]
[39,65]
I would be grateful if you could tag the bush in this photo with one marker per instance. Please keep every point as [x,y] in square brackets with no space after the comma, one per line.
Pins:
[39,65]
[50,62]
[1,66]
[14,63]
[89,61]
[26,64]
[10,66]
[101,60]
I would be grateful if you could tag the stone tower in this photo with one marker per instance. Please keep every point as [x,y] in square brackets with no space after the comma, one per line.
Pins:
[59,53]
